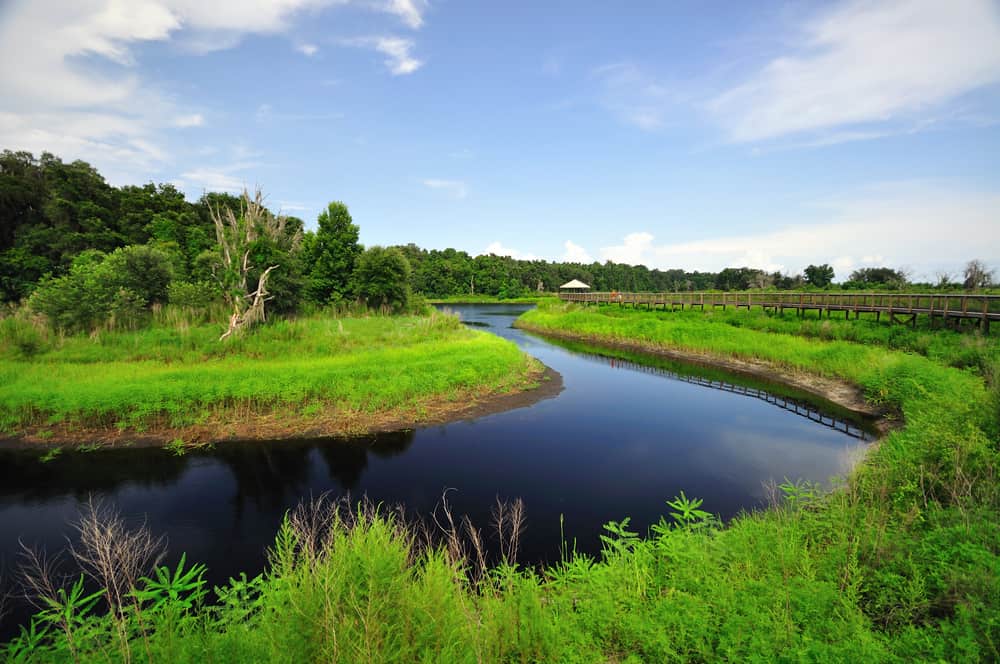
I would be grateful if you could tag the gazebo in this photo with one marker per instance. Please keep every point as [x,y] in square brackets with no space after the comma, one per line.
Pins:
[575,285]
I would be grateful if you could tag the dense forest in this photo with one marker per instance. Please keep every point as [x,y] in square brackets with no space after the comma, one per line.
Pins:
[62,227]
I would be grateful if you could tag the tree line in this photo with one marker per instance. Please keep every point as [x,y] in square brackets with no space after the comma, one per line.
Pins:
[85,253]
[82,251]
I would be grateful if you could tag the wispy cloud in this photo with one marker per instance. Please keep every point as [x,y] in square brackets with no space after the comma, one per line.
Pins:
[399,60]
[227,177]
[83,94]
[636,97]
[266,113]
[900,226]
[455,188]
[864,63]
[307,50]
[411,12]
[189,120]
[210,179]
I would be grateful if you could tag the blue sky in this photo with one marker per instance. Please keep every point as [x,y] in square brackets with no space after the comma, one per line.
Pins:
[675,134]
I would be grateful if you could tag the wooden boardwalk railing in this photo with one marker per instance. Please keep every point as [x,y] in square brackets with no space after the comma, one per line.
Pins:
[898,307]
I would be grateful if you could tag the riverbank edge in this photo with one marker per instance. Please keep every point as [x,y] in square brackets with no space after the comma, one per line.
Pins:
[539,384]
[845,394]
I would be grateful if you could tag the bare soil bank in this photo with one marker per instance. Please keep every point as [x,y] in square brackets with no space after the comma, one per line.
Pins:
[842,393]
[541,384]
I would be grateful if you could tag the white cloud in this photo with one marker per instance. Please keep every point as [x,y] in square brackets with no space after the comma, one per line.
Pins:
[189,120]
[634,249]
[635,97]
[575,253]
[867,63]
[225,178]
[399,61]
[455,188]
[411,12]
[291,206]
[71,81]
[209,179]
[498,249]
[307,50]
[121,144]
[398,49]
[894,226]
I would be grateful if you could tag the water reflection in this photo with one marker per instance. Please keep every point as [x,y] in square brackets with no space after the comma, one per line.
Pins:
[618,441]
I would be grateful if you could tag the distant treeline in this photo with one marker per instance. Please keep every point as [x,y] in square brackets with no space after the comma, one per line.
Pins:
[55,214]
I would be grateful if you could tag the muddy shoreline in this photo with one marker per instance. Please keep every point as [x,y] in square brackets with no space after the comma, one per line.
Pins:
[840,392]
[542,384]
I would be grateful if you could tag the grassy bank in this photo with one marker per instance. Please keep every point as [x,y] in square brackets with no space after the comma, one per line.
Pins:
[902,563]
[332,375]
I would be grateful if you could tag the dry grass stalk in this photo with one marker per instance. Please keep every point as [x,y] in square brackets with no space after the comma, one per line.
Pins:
[41,578]
[116,557]
[508,519]
[449,529]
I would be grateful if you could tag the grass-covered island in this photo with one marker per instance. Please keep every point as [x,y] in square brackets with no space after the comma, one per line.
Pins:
[900,562]
[306,376]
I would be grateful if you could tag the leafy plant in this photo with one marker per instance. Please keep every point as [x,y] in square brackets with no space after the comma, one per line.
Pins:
[180,588]
[687,515]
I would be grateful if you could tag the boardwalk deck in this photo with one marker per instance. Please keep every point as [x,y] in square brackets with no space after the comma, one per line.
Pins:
[898,307]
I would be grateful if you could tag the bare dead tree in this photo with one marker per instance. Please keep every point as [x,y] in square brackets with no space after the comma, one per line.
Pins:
[977,274]
[236,235]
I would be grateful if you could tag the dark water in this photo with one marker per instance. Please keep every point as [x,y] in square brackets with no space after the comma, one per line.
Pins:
[620,440]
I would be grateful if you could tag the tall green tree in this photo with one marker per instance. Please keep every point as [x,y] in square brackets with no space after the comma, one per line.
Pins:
[382,278]
[330,255]
[819,276]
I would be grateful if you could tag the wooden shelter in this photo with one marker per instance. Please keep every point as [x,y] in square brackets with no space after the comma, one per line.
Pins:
[576,285]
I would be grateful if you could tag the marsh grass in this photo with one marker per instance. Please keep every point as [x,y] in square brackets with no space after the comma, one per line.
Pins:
[165,377]
[898,563]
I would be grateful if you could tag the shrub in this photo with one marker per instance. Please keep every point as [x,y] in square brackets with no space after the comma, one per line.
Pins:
[142,270]
[118,288]
[382,278]
[194,295]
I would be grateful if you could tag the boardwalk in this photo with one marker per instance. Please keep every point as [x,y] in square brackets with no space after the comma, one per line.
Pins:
[896,307]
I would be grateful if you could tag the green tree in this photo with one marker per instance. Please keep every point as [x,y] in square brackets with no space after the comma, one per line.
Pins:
[330,255]
[140,269]
[382,277]
[819,276]
[877,276]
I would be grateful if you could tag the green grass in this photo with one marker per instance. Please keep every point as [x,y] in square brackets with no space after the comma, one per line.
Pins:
[183,376]
[899,563]
[802,340]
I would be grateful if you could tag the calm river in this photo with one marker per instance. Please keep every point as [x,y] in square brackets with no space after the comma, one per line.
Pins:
[618,441]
